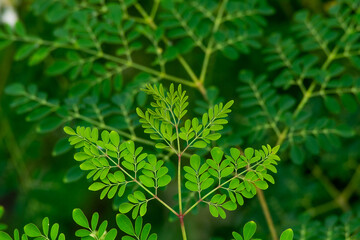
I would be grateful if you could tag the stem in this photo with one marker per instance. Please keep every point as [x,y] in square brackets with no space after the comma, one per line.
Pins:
[149,19]
[318,210]
[16,156]
[352,185]
[110,58]
[183,231]
[267,214]
[181,215]
[179,184]
[261,102]
[188,69]
[329,186]
[154,9]
[148,191]
[205,62]
[208,50]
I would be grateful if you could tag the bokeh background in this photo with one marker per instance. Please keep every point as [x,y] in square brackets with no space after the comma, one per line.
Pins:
[38,180]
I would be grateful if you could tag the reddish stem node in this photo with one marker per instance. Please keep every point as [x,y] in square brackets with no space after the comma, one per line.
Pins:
[181,218]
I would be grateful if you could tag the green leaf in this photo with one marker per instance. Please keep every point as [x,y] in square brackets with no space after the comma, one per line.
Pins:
[229,104]
[143,209]
[58,68]
[61,237]
[80,218]
[127,238]
[249,152]
[125,207]
[15,89]
[140,196]
[288,234]
[195,161]
[96,186]
[145,231]
[125,224]
[213,210]
[312,145]
[297,155]
[4,44]
[249,230]
[5,236]
[38,113]
[49,124]
[345,131]
[31,230]
[73,174]
[237,236]
[140,113]
[262,185]
[213,137]
[230,206]
[20,29]
[111,235]
[54,231]
[160,145]
[81,156]
[114,138]
[24,51]
[275,149]
[207,183]
[230,53]
[61,147]
[349,102]
[118,82]
[69,130]
[39,55]
[217,154]
[45,226]
[199,144]
[332,104]
[148,182]
[164,180]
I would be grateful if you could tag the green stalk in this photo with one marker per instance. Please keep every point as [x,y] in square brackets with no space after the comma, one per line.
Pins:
[267,214]
[183,231]
[208,50]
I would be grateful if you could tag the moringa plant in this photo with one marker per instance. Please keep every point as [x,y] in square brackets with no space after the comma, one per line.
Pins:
[99,54]
[221,182]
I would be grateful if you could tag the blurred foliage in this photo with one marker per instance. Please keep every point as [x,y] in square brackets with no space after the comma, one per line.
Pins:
[292,68]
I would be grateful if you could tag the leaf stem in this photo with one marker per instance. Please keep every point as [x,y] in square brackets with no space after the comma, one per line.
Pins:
[181,215]
[267,214]
[149,19]
[154,9]
[179,184]
[111,58]
[183,230]
[208,49]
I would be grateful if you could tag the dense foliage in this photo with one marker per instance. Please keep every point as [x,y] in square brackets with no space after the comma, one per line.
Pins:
[291,83]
